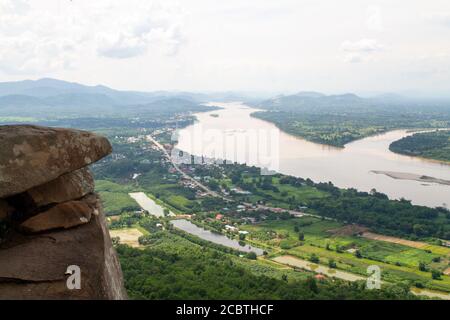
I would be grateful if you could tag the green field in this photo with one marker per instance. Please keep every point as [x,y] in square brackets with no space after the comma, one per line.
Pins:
[398,262]
[284,196]
[173,267]
[115,197]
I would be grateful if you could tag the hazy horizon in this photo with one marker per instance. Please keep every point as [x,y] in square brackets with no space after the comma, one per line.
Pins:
[363,47]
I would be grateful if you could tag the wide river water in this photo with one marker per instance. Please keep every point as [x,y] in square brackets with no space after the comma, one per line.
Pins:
[232,134]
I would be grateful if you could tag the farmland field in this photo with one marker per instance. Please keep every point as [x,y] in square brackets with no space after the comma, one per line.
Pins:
[309,237]
[127,236]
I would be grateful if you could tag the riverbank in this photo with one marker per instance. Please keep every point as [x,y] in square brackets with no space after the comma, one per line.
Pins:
[216,238]
[148,204]
[413,177]
[434,145]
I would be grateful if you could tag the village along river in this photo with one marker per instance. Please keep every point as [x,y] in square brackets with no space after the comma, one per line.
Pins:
[231,133]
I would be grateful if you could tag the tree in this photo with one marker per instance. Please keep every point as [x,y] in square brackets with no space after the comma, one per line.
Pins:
[251,255]
[213,184]
[312,284]
[241,236]
[332,263]
[301,236]
[314,258]
[436,274]
[358,254]
[422,266]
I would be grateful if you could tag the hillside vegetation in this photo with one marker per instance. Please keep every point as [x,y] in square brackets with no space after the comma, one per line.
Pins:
[172,267]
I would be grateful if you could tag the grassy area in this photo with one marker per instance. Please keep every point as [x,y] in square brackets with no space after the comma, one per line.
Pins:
[284,197]
[164,204]
[128,236]
[172,267]
[398,262]
[166,188]
[115,197]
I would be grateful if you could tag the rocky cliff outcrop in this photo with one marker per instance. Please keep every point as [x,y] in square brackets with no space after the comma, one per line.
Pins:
[54,243]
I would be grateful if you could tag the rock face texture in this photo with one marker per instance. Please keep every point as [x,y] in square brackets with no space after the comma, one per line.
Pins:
[72,185]
[32,155]
[54,242]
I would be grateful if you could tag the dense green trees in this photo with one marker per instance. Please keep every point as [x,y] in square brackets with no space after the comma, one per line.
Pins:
[393,217]
[433,145]
[171,269]
[371,209]
[376,211]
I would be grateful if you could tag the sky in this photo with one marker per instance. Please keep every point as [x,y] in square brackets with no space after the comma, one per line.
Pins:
[280,46]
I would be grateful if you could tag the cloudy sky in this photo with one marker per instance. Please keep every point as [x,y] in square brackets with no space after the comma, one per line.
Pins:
[249,45]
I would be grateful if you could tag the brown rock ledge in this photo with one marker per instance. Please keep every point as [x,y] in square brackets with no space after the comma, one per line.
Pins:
[61,216]
[34,155]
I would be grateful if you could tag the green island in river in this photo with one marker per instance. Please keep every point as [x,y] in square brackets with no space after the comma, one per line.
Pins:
[431,145]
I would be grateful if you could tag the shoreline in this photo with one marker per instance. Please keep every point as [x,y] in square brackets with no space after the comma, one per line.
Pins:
[412,177]
[444,162]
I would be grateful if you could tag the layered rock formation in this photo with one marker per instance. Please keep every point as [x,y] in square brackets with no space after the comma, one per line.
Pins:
[51,221]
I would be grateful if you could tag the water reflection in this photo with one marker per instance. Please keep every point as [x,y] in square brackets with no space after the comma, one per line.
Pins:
[191,228]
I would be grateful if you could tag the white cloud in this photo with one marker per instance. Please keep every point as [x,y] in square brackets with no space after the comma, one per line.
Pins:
[363,45]
[374,20]
[227,45]
[151,26]
[14,7]
[441,18]
[360,51]
[29,43]
[39,39]
[121,46]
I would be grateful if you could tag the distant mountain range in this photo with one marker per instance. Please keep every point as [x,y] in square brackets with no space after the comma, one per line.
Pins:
[51,95]
[52,92]
[56,98]
[303,101]
[309,101]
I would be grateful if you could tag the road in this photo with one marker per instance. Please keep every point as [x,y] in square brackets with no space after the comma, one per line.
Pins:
[183,174]
[215,194]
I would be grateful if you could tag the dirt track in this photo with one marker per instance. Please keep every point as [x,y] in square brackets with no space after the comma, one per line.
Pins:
[408,243]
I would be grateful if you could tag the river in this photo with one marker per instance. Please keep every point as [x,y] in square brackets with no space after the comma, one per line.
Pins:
[217,238]
[148,204]
[230,134]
